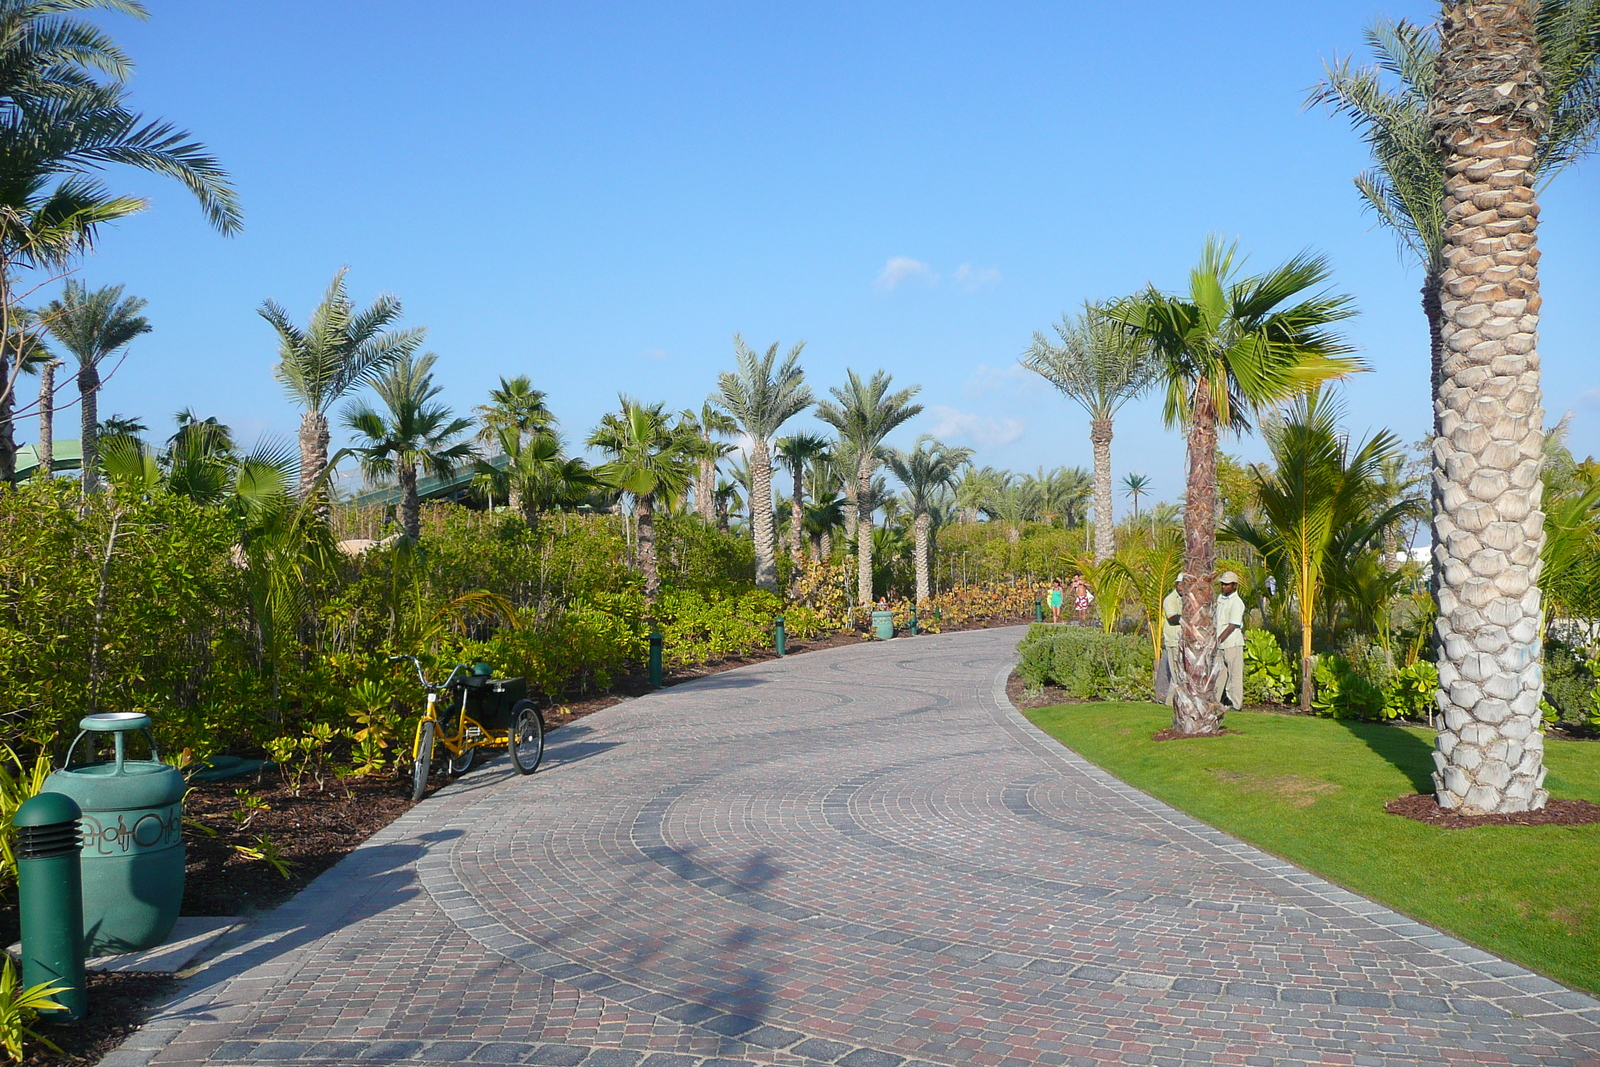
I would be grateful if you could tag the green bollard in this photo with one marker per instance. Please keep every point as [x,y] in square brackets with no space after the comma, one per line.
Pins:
[1038,611]
[50,898]
[778,636]
[913,622]
[656,641]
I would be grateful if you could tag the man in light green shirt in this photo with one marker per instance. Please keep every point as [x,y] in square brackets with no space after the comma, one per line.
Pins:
[1171,631]
[1230,641]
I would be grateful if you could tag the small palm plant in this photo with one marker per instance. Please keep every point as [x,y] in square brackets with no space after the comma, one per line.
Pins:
[412,432]
[864,413]
[338,352]
[650,463]
[929,472]
[1230,345]
[537,474]
[93,326]
[1322,497]
[761,395]
[798,451]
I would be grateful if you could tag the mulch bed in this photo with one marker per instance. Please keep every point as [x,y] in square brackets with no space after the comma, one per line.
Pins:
[1423,808]
[313,831]
[118,1004]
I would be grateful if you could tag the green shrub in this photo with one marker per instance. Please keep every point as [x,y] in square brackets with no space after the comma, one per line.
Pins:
[1088,664]
[1570,684]
[1342,693]
[1410,692]
[1268,675]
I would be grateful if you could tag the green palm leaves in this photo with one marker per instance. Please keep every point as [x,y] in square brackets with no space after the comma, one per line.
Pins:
[337,352]
[1231,345]
[649,462]
[761,395]
[864,413]
[1320,505]
[92,326]
[413,431]
[929,472]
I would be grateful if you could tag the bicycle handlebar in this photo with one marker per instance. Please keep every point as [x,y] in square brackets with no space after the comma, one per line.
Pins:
[422,678]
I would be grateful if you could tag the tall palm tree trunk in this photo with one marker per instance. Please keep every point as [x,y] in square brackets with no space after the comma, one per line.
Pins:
[797,521]
[1195,707]
[922,528]
[410,505]
[8,438]
[863,535]
[761,518]
[705,487]
[644,515]
[313,449]
[47,419]
[1104,525]
[1489,109]
[89,436]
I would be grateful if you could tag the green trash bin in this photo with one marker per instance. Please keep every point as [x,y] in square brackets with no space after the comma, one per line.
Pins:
[883,625]
[132,836]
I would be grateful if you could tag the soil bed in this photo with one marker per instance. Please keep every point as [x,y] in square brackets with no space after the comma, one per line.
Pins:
[1423,808]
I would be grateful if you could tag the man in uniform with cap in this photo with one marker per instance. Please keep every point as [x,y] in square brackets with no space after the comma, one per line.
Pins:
[1230,641]
[1171,631]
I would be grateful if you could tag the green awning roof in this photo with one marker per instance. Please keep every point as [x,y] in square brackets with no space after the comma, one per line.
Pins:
[68,457]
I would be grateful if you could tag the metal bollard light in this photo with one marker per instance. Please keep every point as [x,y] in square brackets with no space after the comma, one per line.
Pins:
[778,636]
[50,898]
[1038,611]
[656,641]
[913,622]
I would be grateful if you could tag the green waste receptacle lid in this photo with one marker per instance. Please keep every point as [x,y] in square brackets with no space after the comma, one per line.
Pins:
[481,669]
[114,721]
[47,809]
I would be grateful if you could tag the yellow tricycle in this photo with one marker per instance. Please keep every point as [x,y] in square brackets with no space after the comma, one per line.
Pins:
[473,710]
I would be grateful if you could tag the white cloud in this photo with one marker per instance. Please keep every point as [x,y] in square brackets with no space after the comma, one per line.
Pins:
[1590,398]
[903,269]
[972,278]
[954,424]
[655,353]
[1013,379]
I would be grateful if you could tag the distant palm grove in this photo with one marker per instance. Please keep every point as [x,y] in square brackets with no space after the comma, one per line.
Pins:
[244,593]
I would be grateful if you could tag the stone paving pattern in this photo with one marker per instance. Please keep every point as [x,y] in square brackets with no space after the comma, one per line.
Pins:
[863,857]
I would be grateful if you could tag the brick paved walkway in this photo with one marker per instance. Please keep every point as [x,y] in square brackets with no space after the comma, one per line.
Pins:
[860,857]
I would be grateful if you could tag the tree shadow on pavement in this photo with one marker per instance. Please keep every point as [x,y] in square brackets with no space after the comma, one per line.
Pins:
[1400,748]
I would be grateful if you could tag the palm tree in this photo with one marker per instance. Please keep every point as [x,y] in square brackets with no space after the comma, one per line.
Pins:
[1101,365]
[865,413]
[1489,107]
[1012,503]
[648,463]
[47,416]
[340,350]
[515,404]
[93,326]
[414,432]
[62,80]
[762,395]
[1228,346]
[537,475]
[797,451]
[927,471]
[707,424]
[1320,502]
[1135,485]
[1387,102]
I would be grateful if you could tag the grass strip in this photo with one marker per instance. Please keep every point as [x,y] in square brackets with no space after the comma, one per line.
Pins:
[1312,791]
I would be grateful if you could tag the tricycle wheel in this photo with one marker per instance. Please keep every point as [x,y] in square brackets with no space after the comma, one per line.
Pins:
[526,737]
[463,763]
[423,761]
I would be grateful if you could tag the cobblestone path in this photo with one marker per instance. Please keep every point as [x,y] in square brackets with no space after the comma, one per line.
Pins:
[862,857]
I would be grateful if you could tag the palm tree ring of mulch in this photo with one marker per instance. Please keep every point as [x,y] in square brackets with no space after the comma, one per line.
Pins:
[1425,809]
[1172,733]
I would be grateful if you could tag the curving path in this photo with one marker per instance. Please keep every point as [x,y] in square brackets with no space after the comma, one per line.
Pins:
[862,857]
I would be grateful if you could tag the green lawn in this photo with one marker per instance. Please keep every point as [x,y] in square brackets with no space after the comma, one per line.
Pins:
[1313,790]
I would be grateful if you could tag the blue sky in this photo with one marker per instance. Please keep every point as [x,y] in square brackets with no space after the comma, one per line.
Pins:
[600,194]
